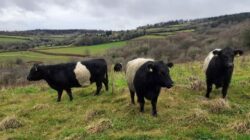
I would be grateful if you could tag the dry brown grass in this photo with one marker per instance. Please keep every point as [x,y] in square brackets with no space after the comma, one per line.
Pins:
[242,126]
[91,114]
[197,115]
[196,83]
[10,123]
[99,126]
[40,106]
[217,105]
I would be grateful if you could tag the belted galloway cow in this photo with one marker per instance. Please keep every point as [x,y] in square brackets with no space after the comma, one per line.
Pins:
[146,77]
[66,76]
[218,67]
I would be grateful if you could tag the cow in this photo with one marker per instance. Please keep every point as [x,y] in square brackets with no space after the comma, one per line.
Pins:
[68,75]
[218,67]
[145,77]
[118,67]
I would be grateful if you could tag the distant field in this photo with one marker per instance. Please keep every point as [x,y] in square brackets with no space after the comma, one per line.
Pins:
[162,34]
[58,37]
[32,56]
[149,37]
[166,29]
[173,33]
[13,39]
[93,50]
[29,56]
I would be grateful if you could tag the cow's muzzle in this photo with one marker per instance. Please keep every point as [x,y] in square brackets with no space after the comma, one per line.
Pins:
[170,85]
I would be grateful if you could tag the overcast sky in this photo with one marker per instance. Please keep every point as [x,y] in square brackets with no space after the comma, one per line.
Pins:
[108,14]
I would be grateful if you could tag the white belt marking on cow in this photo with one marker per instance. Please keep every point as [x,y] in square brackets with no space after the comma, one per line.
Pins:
[82,74]
[208,59]
[131,69]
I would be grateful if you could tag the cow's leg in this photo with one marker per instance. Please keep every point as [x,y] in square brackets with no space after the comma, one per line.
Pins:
[69,92]
[209,88]
[224,91]
[59,92]
[132,95]
[153,103]
[141,102]
[98,87]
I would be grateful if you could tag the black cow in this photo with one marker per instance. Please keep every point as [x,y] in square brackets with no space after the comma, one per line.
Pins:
[145,77]
[218,67]
[118,67]
[65,76]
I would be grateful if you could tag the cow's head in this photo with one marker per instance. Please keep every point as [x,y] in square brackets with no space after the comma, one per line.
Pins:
[35,73]
[160,71]
[227,55]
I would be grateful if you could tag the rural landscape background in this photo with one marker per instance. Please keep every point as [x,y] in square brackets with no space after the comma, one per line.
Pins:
[28,110]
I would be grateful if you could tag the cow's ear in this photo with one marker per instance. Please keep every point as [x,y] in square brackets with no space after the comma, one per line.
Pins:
[238,52]
[170,64]
[150,67]
[217,52]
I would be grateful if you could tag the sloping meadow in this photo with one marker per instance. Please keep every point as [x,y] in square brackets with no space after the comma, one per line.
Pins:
[31,112]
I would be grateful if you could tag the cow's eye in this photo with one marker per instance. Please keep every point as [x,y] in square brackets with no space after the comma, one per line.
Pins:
[162,73]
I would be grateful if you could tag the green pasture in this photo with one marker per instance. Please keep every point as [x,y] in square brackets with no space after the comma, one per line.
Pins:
[184,113]
[13,39]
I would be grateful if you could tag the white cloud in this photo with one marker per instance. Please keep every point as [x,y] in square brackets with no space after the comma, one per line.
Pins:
[108,14]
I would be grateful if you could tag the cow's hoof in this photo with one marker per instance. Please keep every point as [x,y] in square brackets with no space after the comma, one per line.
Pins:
[154,115]
[224,98]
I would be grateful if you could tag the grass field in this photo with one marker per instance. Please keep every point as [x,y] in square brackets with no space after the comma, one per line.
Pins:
[183,111]
[32,56]
[13,39]
[149,37]
[29,56]
[173,33]
[92,50]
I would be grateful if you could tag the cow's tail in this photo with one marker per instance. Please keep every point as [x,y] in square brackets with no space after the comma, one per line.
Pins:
[106,74]
[106,78]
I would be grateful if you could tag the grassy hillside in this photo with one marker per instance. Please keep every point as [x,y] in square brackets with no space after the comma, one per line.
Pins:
[183,111]
[92,50]
[16,40]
